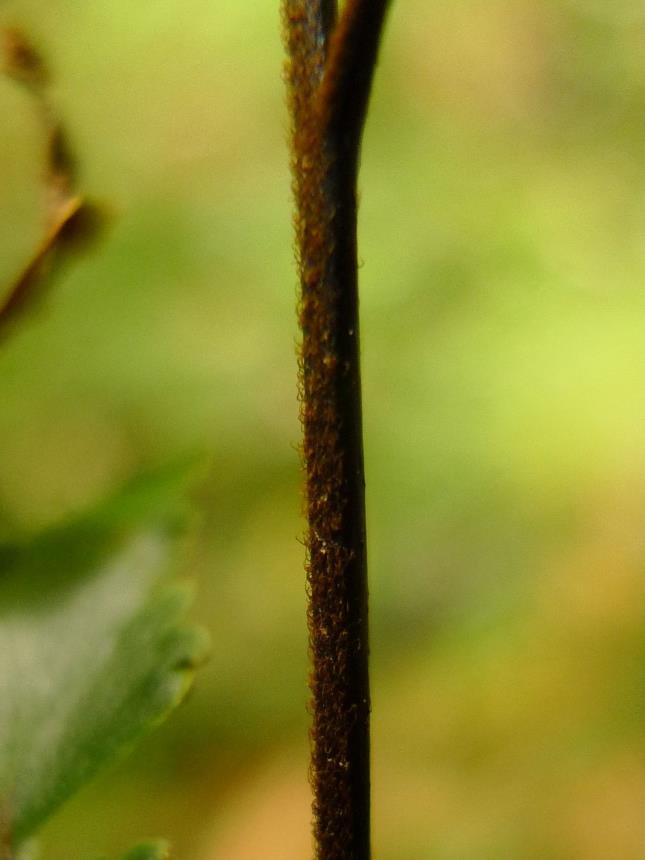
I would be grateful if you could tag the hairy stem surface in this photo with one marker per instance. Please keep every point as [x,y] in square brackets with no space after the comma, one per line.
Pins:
[329,74]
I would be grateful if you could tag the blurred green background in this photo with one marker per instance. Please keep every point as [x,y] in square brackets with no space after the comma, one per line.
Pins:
[502,238]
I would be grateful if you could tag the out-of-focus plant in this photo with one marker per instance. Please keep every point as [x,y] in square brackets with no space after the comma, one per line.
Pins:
[93,650]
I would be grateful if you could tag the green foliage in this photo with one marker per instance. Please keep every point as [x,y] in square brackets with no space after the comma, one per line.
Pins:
[92,649]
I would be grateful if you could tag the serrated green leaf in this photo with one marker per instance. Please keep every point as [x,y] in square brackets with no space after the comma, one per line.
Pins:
[92,652]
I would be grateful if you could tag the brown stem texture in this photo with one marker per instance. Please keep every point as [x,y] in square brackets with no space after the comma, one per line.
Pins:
[331,61]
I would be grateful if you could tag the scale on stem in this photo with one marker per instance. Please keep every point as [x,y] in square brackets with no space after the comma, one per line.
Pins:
[331,61]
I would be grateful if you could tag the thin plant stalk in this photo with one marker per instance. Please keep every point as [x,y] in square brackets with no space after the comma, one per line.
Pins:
[331,61]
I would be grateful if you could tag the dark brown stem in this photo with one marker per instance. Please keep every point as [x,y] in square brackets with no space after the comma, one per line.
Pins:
[329,75]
